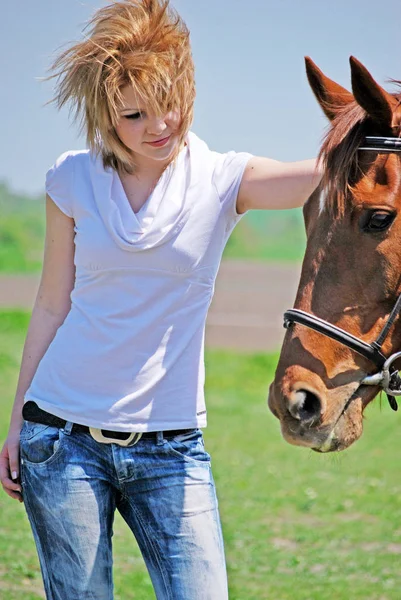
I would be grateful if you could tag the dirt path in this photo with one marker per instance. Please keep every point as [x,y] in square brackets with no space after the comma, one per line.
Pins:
[247,309]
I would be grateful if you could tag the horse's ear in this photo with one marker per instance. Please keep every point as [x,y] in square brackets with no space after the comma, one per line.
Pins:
[378,103]
[329,94]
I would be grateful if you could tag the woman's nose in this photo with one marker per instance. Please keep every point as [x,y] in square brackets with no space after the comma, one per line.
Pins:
[156,125]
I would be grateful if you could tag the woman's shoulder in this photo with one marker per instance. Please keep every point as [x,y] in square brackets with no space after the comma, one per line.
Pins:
[223,167]
[61,177]
[70,158]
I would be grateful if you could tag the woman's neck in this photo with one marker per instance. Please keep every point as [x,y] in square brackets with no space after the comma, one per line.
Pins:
[147,169]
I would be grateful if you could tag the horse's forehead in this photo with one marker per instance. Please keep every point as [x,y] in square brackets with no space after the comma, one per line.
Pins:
[381,182]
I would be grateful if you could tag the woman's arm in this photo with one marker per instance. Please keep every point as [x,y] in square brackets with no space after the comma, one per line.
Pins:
[268,184]
[50,309]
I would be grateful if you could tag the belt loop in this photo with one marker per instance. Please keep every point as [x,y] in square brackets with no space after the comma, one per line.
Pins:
[68,427]
[159,438]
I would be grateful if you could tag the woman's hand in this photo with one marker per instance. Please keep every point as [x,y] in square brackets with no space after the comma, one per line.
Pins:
[9,465]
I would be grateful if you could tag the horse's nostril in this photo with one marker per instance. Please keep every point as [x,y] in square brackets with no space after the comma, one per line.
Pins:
[305,406]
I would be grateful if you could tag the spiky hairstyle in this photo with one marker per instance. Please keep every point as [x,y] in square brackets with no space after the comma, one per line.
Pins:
[141,43]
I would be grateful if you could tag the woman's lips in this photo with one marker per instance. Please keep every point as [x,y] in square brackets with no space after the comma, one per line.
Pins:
[160,143]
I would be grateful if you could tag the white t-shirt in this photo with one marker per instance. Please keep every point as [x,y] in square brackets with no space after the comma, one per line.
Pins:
[129,354]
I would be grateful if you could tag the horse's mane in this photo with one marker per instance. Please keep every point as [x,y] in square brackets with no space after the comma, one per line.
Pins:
[339,151]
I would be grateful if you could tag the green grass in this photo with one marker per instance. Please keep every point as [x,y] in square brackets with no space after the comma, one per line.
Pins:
[277,235]
[297,525]
[22,231]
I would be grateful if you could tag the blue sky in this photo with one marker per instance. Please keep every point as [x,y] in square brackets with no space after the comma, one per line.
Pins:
[252,92]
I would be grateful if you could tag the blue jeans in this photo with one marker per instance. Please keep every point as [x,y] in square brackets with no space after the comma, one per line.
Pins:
[163,489]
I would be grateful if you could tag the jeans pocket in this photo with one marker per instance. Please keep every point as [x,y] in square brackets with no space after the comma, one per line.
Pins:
[190,447]
[39,444]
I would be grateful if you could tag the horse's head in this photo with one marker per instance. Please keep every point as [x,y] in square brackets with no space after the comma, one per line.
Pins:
[351,275]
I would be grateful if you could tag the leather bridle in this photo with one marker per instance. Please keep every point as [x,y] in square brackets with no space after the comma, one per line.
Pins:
[387,377]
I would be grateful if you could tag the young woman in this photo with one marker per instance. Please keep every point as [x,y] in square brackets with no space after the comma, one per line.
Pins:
[110,404]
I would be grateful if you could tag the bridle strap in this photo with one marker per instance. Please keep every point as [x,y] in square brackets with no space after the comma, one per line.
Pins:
[384,332]
[369,351]
[381,144]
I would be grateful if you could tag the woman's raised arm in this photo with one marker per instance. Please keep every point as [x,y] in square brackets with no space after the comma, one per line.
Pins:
[268,183]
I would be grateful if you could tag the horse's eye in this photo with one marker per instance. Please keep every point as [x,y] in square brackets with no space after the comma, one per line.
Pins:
[378,220]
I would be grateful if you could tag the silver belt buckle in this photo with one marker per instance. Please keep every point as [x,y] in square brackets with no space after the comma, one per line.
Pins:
[99,437]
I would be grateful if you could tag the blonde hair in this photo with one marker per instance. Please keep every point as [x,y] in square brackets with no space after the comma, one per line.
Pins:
[141,43]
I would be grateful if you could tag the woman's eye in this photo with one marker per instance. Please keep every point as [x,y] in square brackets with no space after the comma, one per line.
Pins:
[378,220]
[134,116]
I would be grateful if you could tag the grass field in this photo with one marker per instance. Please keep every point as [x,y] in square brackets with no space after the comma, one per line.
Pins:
[297,525]
[22,230]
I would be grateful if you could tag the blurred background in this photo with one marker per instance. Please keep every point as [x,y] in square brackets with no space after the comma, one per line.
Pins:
[298,526]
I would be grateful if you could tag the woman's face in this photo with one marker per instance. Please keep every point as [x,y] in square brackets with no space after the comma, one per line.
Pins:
[150,137]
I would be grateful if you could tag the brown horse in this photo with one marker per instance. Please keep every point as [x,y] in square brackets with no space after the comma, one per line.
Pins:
[351,274]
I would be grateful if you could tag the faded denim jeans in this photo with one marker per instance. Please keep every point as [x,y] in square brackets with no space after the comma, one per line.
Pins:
[163,489]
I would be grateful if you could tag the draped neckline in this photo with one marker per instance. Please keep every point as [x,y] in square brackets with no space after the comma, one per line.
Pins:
[164,211]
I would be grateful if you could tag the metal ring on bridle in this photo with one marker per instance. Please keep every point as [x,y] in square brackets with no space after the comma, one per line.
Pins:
[385,377]
[388,375]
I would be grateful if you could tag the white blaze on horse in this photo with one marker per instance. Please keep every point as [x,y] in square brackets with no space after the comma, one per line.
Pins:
[344,333]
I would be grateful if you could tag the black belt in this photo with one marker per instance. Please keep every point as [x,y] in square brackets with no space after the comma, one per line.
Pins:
[32,412]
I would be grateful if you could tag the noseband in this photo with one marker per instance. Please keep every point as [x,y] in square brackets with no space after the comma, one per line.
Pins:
[387,377]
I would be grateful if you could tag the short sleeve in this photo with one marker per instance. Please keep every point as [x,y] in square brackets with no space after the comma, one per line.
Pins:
[59,183]
[227,177]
